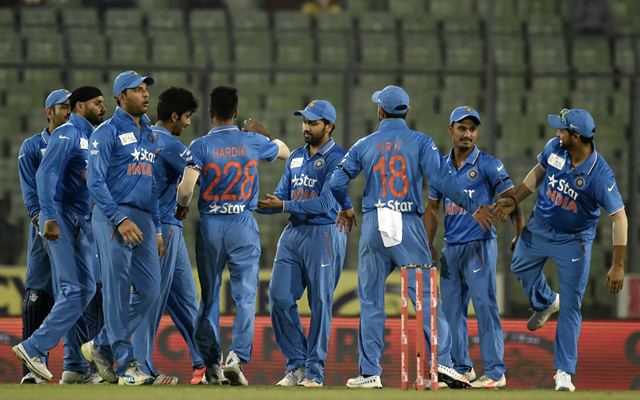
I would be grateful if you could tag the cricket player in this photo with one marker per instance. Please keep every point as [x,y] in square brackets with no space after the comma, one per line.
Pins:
[126,227]
[225,161]
[310,251]
[468,262]
[574,180]
[64,205]
[177,287]
[38,297]
[394,160]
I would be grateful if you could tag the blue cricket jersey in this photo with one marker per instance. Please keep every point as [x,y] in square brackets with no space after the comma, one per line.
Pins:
[227,159]
[29,158]
[482,177]
[169,167]
[62,176]
[394,160]
[121,163]
[304,185]
[569,198]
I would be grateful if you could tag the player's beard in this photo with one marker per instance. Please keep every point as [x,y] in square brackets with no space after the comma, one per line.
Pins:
[312,139]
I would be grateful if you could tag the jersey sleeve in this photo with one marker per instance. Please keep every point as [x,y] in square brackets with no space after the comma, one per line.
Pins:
[54,162]
[434,167]
[607,194]
[546,151]
[498,177]
[99,158]
[176,156]
[267,149]
[195,159]
[27,167]
[348,169]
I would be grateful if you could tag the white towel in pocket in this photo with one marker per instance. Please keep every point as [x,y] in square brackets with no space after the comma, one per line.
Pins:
[390,226]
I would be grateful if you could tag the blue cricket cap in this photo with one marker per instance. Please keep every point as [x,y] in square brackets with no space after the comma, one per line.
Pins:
[575,120]
[463,112]
[318,109]
[392,99]
[58,96]
[129,79]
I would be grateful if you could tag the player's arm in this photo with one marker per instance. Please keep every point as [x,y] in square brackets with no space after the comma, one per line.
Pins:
[430,219]
[185,189]
[27,167]
[434,167]
[615,276]
[508,204]
[51,168]
[155,197]
[348,169]
[252,125]
[274,202]
[319,205]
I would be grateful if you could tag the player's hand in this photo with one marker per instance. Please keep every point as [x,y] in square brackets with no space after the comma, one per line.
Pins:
[181,212]
[484,217]
[615,279]
[271,203]
[252,125]
[504,207]
[130,232]
[346,220]
[162,251]
[51,230]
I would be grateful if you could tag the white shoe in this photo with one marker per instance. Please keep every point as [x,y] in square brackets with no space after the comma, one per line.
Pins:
[539,318]
[470,375]
[34,364]
[372,382]
[487,383]
[214,376]
[90,353]
[95,379]
[233,370]
[310,383]
[31,379]
[73,377]
[163,379]
[134,376]
[293,377]
[452,378]
[563,382]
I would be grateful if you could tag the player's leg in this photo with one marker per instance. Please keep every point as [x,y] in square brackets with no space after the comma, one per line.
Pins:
[143,336]
[115,265]
[210,260]
[182,305]
[38,299]
[454,293]
[573,260]
[285,289]
[242,245]
[75,287]
[374,266]
[322,268]
[480,274]
[145,281]
[529,256]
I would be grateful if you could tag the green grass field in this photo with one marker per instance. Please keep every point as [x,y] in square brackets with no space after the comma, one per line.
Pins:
[112,392]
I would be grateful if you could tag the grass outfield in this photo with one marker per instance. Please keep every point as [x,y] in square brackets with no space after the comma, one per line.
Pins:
[113,392]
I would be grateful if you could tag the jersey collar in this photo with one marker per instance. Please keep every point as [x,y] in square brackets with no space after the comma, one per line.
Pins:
[393,123]
[587,166]
[223,128]
[323,150]
[45,135]
[81,123]
[159,128]
[470,160]
[125,116]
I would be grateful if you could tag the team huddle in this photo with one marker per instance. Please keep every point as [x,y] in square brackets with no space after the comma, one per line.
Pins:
[107,255]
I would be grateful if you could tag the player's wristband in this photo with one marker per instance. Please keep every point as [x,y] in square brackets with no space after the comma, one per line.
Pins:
[514,200]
